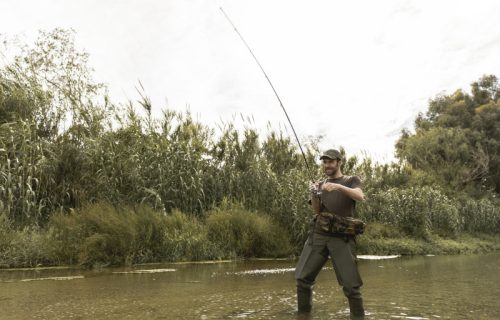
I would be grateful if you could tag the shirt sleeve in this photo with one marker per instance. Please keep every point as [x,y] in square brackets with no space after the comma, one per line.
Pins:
[356,182]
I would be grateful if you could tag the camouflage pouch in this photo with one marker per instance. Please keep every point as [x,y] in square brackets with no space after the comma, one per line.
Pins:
[332,223]
[324,219]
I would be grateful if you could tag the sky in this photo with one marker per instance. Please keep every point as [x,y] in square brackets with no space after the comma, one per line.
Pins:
[354,72]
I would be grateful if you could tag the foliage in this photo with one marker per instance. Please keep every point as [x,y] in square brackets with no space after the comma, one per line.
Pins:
[397,243]
[57,78]
[416,211]
[457,142]
[247,234]
[28,247]
[480,215]
[85,181]
[102,234]
[186,238]
[5,233]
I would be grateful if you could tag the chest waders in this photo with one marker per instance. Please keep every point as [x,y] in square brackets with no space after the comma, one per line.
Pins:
[331,236]
[342,251]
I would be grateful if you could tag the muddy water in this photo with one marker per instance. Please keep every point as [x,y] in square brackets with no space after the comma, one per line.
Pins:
[430,287]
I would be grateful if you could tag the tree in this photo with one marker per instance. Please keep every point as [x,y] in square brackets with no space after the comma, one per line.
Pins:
[56,76]
[458,140]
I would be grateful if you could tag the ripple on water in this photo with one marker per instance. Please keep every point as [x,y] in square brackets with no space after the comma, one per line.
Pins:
[267,271]
[372,257]
[53,278]
[263,271]
[409,318]
[147,271]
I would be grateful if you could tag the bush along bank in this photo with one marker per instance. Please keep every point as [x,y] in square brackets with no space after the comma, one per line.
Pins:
[104,235]
[424,220]
[381,239]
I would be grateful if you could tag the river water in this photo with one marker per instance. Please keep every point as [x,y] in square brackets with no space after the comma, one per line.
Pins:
[423,287]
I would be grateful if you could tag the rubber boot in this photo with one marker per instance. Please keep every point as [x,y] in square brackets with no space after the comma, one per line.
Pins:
[356,308]
[304,300]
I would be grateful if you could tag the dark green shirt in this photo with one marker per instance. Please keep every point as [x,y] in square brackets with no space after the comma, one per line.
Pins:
[336,201]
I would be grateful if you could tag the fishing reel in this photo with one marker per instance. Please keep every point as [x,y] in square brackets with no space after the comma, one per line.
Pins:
[316,192]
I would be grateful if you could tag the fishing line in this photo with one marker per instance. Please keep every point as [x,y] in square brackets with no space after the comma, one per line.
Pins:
[274,90]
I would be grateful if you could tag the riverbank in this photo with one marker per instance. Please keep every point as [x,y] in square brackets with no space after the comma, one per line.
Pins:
[37,249]
[381,239]
[436,245]
[102,235]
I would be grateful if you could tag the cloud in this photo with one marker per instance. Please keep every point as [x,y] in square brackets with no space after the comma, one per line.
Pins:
[355,72]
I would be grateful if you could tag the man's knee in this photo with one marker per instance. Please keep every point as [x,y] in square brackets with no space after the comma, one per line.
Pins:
[352,292]
[304,284]
[306,272]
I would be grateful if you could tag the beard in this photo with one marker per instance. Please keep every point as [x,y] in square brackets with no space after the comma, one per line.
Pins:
[331,171]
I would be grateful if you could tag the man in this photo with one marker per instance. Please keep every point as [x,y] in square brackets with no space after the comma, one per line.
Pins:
[336,196]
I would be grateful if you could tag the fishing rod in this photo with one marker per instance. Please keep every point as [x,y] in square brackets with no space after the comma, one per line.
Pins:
[274,90]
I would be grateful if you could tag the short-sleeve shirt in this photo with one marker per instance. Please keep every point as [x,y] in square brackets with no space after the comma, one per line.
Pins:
[336,201]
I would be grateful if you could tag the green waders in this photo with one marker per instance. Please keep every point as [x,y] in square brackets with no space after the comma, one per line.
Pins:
[314,256]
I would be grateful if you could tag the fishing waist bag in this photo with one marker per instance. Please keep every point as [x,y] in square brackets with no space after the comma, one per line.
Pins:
[334,224]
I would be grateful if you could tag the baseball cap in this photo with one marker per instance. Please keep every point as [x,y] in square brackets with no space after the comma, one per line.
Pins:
[331,154]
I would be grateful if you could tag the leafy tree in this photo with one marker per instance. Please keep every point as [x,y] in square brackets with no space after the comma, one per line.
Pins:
[457,142]
[58,79]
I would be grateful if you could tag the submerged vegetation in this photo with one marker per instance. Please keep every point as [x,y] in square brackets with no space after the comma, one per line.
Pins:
[84,181]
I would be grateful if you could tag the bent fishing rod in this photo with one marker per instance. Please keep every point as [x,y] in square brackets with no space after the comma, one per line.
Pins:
[274,90]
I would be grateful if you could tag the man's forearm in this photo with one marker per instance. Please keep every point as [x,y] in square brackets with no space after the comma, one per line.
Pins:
[355,194]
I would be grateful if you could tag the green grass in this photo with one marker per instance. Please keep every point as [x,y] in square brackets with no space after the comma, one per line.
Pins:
[105,235]
[247,234]
[385,239]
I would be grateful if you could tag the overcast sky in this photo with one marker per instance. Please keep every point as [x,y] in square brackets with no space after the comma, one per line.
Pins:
[356,72]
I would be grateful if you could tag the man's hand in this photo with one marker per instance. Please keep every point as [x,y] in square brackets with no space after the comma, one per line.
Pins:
[314,187]
[315,202]
[355,194]
[329,186]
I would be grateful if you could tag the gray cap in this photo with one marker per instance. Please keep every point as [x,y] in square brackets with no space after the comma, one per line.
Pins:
[331,154]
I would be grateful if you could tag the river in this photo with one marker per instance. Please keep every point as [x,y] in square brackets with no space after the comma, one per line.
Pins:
[421,287]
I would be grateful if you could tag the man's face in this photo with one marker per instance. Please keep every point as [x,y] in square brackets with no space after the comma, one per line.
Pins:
[331,166]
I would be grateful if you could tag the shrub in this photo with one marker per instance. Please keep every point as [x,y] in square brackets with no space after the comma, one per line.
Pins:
[28,247]
[5,232]
[416,211]
[480,215]
[103,234]
[185,238]
[241,233]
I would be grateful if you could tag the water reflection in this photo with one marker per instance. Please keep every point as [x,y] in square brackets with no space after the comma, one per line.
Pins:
[440,287]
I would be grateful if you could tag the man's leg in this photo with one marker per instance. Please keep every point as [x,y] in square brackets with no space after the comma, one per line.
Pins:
[311,260]
[343,255]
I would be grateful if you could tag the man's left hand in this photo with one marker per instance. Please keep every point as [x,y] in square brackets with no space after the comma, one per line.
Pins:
[329,186]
